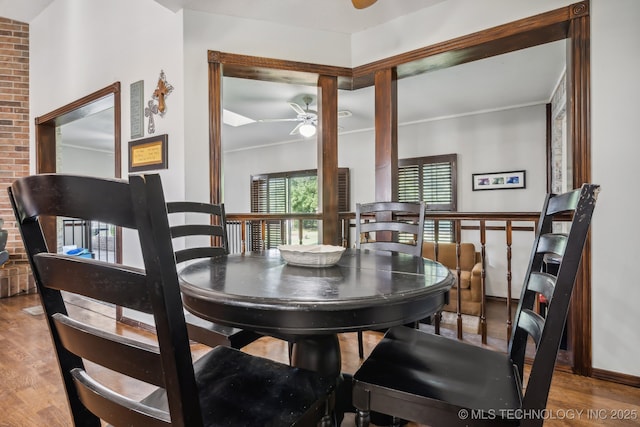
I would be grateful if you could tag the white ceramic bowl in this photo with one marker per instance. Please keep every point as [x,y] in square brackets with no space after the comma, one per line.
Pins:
[311,255]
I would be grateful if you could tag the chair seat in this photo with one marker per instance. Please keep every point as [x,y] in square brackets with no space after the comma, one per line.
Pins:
[412,366]
[242,390]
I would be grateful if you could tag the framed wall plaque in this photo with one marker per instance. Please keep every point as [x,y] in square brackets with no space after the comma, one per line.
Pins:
[148,153]
[136,113]
[498,180]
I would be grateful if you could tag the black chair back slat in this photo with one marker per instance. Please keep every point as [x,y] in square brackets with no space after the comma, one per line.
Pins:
[533,323]
[59,195]
[552,244]
[119,285]
[565,202]
[396,207]
[542,283]
[195,207]
[401,227]
[183,255]
[137,359]
[112,406]
[196,230]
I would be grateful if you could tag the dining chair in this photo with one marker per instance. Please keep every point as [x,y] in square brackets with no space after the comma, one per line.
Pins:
[396,219]
[203,233]
[389,226]
[426,378]
[223,387]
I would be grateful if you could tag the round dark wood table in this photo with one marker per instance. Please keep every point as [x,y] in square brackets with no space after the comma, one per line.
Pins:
[309,306]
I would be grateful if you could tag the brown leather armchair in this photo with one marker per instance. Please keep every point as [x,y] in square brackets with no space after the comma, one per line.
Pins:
[470,274]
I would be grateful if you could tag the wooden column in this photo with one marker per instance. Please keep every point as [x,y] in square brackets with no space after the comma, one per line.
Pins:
[386,158]
[328,159]
[215,129]
[386,151]
[579,130]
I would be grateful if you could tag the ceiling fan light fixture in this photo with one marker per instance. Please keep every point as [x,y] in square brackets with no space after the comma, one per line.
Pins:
[307,130]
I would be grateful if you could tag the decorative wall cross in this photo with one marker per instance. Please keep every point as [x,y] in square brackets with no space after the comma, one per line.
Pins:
[162,91]
[149,112]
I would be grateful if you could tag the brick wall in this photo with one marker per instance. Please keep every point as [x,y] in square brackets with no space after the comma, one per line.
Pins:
[14,145]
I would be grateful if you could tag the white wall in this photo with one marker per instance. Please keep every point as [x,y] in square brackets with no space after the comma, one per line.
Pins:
[80,46]
[81,161]
[615,111]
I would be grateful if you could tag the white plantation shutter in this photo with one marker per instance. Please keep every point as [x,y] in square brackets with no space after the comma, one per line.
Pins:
[433,180]
[437,185]
[409,183]
[277,204]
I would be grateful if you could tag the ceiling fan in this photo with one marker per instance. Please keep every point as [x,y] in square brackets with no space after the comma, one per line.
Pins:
[308,118]
[361,4]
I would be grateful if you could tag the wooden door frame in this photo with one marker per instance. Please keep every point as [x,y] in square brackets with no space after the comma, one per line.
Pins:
[45,136]
[571,23]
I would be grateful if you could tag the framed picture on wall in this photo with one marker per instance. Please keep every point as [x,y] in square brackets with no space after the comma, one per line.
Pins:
[148,154]
[499,180]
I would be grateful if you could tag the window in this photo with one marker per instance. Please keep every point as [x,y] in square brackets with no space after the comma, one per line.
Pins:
[290,192]
[433,180]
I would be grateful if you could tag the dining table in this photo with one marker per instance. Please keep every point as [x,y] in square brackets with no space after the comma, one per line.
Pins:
[309,306]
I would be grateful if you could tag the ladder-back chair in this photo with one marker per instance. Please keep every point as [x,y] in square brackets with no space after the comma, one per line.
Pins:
[430,379]
[204,235]
[402,235]
[224,387]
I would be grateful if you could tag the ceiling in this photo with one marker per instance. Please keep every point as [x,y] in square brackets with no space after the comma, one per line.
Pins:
[330,15]
[516,79]
[521,78]
[22,10]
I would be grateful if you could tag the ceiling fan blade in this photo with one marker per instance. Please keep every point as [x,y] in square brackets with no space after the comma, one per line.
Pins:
[298,109]
[234,119]
[296,129]
[362,4]
[295,119]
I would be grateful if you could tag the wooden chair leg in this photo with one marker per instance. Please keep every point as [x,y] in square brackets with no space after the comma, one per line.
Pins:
[360,345]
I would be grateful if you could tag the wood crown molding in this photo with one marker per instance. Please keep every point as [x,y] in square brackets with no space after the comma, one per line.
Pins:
[78,103]
[494,41]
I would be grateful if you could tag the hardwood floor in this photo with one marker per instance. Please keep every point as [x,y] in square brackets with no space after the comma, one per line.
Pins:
[31,392]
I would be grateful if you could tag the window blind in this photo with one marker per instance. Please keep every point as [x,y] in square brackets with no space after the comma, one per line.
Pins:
[431,179]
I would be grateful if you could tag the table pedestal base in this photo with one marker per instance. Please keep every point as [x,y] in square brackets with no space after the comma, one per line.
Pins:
[320,353]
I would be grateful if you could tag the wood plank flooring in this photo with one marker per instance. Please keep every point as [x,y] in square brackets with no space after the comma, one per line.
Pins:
[31,392]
